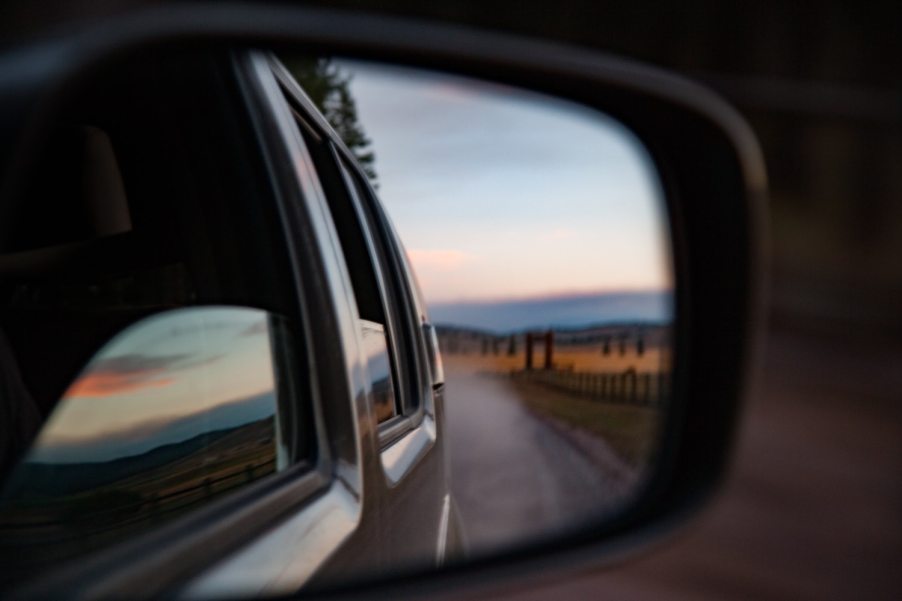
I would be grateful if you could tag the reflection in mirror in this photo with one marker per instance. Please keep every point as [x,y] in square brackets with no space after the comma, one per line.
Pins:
[174,412]
[375,347]
[538,232]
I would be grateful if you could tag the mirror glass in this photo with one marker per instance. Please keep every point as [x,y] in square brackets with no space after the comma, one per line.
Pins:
[172,413]
[478,279]
[538,231]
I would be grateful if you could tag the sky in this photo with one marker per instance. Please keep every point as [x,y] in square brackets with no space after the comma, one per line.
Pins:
[503,195]
[166,379]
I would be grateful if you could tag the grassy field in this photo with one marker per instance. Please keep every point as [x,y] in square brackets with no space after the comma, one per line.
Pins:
[630,431]
[46,528]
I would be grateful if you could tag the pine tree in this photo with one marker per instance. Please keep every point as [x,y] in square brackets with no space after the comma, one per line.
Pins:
[327,86]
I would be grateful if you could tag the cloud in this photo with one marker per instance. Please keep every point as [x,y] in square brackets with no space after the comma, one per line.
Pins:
[110,376]
[104,385]
[558,233]
[438,259]
[133,364]
[450,91]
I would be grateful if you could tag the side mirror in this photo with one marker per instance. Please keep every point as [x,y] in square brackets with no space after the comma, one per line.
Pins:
[232,169]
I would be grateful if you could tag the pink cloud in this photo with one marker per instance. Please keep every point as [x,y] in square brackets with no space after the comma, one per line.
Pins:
[558,233]
[438,259]
[106,384]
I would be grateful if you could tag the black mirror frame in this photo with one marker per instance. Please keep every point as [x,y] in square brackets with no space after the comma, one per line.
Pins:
[708,158]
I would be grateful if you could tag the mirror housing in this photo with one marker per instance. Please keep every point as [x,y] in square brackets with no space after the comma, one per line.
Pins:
[712,172]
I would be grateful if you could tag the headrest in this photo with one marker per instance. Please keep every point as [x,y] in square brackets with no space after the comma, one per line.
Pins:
[75,192]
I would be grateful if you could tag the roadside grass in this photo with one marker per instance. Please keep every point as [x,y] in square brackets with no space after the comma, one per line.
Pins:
[631,431]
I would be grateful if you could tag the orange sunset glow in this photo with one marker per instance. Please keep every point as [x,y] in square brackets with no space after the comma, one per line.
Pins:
[111,384]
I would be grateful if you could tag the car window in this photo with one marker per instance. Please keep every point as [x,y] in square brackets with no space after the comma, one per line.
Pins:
[148,341]
[397,281]
[368,271]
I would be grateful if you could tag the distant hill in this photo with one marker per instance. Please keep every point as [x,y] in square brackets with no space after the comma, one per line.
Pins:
[455,339]
[561,312]
[152,434]
[54,479]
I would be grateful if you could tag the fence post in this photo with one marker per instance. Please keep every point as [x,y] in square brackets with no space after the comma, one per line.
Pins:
[631,385]
[549,349]
[512,346]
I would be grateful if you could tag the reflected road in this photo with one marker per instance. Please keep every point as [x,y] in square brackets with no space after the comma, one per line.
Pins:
[515,475]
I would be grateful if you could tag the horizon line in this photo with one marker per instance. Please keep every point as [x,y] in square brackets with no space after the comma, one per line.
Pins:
[551,296]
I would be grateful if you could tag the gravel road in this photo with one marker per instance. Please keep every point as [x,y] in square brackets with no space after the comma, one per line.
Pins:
[515,475]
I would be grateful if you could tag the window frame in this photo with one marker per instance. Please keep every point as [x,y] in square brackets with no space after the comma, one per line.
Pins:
[377,262]
[332,178]
[401,301]
[405,342]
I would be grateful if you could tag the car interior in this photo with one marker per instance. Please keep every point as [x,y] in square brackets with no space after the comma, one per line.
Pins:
[123,213]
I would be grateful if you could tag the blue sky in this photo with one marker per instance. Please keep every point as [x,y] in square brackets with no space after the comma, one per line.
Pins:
[500,194]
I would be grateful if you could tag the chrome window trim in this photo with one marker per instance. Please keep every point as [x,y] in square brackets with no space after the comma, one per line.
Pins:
[441,547]
[402,456]
[412,410]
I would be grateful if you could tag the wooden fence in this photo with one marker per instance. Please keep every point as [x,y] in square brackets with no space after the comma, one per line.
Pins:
[147,508]
[631,387]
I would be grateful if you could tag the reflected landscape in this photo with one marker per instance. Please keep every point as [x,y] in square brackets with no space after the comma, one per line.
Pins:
[538,233]
[175,411]
[539,236]
[553,427]
[379,368]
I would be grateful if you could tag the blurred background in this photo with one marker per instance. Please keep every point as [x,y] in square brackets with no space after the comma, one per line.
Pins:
[813,507]
[819,84]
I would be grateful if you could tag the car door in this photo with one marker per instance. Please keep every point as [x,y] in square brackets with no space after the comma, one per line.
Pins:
[221,229]
[410,478]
